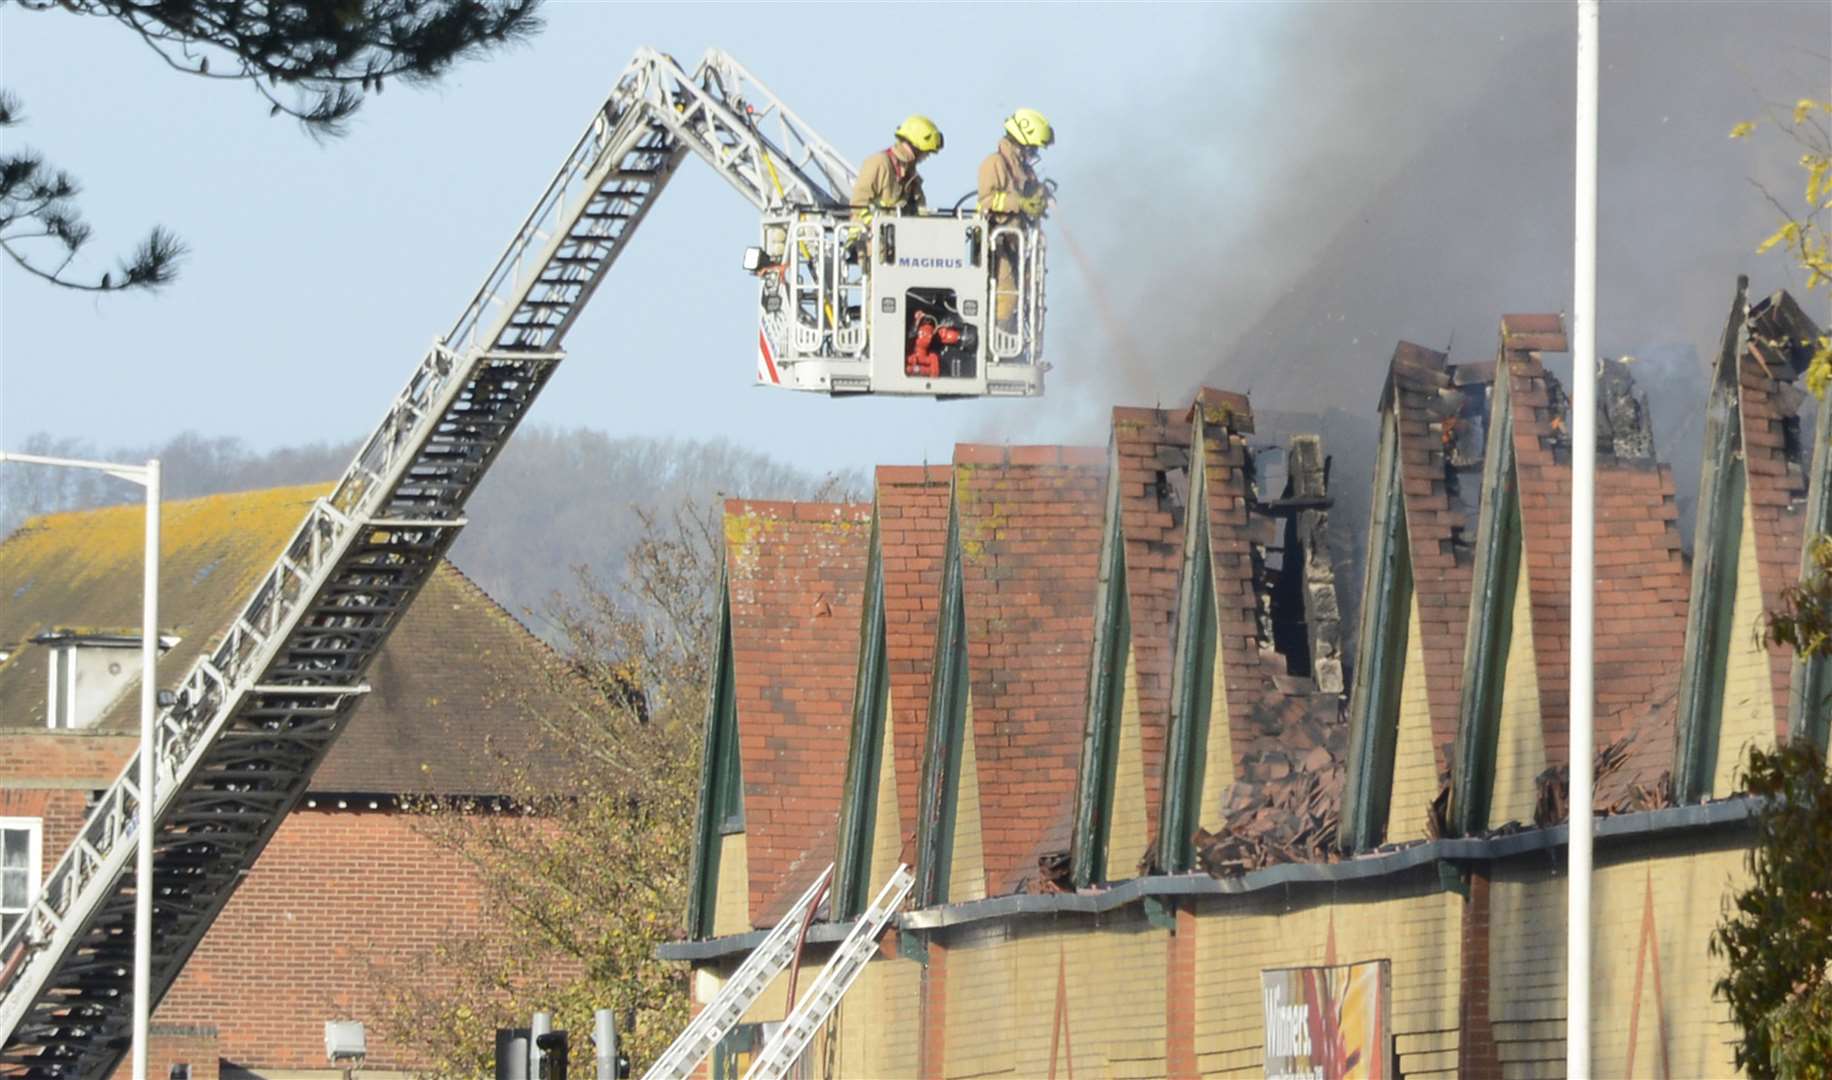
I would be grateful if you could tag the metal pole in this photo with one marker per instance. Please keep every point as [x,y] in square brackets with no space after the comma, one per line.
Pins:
[542,1025]
[604,1043]
[149,701]
[1583,548]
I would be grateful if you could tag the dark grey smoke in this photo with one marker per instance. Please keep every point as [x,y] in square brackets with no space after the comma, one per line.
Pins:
[1407,173]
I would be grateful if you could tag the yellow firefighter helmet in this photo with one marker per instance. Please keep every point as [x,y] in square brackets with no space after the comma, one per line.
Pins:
[1027,127]
[920,131]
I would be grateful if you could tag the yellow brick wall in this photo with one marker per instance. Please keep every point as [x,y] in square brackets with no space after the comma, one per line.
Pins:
[1749,702]
[731,912]
[1003,998]
[1218,759]
[1420,933]
[1128,835]
[983,1001]
[877,1025]
[1002,979]
[967,868]
[887,830]
[1520,744]
[873,1032]
[1415,763]
[1527,975]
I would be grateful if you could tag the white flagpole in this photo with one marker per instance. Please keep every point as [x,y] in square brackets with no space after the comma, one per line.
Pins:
[1583,549]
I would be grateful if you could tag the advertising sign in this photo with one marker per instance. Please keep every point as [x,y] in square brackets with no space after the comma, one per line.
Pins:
[1328,1023]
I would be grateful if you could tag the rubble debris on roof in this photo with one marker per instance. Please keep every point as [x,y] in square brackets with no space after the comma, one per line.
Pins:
[1287,804]
[1283,692]
[1633,772]
[1642,577]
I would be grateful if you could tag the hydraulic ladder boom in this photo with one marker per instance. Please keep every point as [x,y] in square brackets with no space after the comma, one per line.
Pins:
[251,722]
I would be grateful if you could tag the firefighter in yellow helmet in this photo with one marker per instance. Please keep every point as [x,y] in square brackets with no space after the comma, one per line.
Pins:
[888,180]
[1011,194]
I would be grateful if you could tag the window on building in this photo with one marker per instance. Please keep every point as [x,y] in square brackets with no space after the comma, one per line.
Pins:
[19,863]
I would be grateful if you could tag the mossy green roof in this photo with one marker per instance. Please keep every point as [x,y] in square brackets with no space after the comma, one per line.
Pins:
[458,686]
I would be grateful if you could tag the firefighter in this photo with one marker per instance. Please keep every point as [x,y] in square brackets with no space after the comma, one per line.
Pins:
[888,179]
[1011,194]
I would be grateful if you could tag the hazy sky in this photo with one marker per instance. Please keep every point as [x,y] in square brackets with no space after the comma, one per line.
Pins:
[320,271]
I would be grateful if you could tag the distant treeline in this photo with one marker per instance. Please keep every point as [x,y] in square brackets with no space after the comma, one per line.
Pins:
[555,500]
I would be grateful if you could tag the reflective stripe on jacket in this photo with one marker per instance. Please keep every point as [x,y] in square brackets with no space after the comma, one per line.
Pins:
[1005,178]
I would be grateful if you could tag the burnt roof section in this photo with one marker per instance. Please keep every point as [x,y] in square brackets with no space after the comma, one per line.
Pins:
[1029,520]
[795,574]
[912,518]
[1440,413]
[1287,732]
[452,705]
[1642,580]
[1151,475]
[1777,457]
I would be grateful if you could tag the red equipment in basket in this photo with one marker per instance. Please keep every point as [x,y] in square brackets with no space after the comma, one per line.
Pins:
[922,362]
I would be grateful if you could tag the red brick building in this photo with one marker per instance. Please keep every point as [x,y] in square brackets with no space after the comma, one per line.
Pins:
[350,891]
[1152,781]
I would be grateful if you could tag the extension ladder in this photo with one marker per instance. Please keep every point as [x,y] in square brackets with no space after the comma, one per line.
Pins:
[842,970]
[735,998]
[253,719]
[251,722]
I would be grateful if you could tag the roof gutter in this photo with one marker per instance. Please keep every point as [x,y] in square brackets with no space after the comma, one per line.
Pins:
[1616,830]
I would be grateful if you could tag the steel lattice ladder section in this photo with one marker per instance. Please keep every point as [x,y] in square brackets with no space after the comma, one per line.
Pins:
[253,720]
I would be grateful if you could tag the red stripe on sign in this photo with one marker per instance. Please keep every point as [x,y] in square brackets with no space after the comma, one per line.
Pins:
[763,348]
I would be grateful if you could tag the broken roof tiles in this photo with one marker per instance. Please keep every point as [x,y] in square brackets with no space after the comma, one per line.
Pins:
[1287,734]
[1642,578]
[1030,524]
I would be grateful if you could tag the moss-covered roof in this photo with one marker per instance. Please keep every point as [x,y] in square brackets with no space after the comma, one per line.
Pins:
[458,685]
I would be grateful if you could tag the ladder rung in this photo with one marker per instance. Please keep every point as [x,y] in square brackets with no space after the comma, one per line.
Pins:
[417,523]
[309,691]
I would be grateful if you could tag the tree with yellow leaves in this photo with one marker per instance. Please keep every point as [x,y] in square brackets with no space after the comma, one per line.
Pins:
[1776,934]
[1805,233]
[583,881]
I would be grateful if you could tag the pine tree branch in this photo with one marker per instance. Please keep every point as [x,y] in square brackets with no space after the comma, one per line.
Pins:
[334,55]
